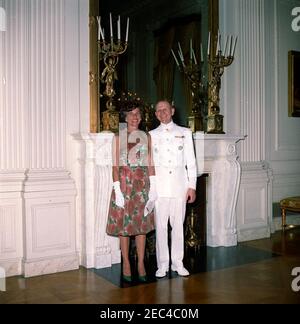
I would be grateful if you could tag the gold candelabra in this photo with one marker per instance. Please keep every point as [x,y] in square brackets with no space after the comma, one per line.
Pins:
[193,71]
[109,52]
[218,61]
[198,92]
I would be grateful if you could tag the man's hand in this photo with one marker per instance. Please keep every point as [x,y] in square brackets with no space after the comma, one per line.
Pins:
[191,195]
[149,207]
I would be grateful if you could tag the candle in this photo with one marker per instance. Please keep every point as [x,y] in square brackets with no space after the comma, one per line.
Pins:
[175,57]
[230,47]
[194,56]
[218,43]
[208,44]
[201,53]
[234,46]
[102,33]
[119,28]
[191,49]
[127,29]
[99,27]
[180,52]
[225,49]
[110,24]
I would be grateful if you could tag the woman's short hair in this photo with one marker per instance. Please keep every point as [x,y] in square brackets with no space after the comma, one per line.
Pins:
[128,102]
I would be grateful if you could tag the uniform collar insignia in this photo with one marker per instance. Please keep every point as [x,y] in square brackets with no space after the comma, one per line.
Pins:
[168,126]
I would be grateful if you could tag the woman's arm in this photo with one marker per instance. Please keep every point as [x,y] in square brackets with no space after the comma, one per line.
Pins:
[150,157]
[115,158]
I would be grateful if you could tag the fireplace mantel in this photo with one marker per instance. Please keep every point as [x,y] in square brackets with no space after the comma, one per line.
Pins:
[98,250]
[222,165]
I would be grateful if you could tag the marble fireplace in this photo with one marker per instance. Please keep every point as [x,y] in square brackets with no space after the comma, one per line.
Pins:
[216,155]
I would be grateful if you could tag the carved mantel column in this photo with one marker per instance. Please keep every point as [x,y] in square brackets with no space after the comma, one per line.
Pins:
[98,250]
[222,165]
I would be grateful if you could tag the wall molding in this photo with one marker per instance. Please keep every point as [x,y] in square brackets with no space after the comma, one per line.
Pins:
[43,100]
[280,150]
[254,207]
[37,267]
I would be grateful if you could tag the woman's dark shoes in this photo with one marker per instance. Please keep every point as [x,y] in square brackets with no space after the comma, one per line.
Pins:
[126,269]
[127,278]
[143,278]
[142,273]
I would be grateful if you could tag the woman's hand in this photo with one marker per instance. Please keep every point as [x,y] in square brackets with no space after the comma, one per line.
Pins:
[152,196]
[120,201]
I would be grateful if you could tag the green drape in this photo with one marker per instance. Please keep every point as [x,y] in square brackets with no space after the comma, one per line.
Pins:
[182,31]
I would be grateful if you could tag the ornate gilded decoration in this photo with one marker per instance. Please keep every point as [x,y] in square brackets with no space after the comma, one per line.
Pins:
[193,71]
[93,67]
[109,52]
[199,94]
[218,61]
[191,237]
[149,115]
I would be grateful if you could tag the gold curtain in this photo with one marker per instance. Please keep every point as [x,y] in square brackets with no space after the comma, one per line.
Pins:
[181,30]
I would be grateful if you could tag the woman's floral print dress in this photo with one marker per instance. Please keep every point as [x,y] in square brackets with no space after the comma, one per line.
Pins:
[135,184]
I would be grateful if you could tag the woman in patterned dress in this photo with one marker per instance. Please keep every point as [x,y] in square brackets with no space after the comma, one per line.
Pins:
[134,193]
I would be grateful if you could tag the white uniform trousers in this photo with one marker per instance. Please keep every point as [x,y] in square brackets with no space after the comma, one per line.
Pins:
[173,209]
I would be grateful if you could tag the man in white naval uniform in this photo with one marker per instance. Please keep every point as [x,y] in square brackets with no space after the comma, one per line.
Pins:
[176,175]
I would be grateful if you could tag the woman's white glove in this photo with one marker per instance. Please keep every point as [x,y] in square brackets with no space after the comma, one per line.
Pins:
[120,201]
[152,196]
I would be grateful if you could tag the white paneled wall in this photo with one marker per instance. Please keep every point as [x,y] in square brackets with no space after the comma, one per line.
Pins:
[244,81]
[255,99]
[13,74]
[40,108]
[284,144]
[246,113]
[11,244]
[47,103]
[252,57]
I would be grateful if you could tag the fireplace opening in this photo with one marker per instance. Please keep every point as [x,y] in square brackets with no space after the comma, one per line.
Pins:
[195,219]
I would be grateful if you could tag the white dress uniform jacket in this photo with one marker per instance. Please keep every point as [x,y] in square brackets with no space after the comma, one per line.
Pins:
[174,160]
